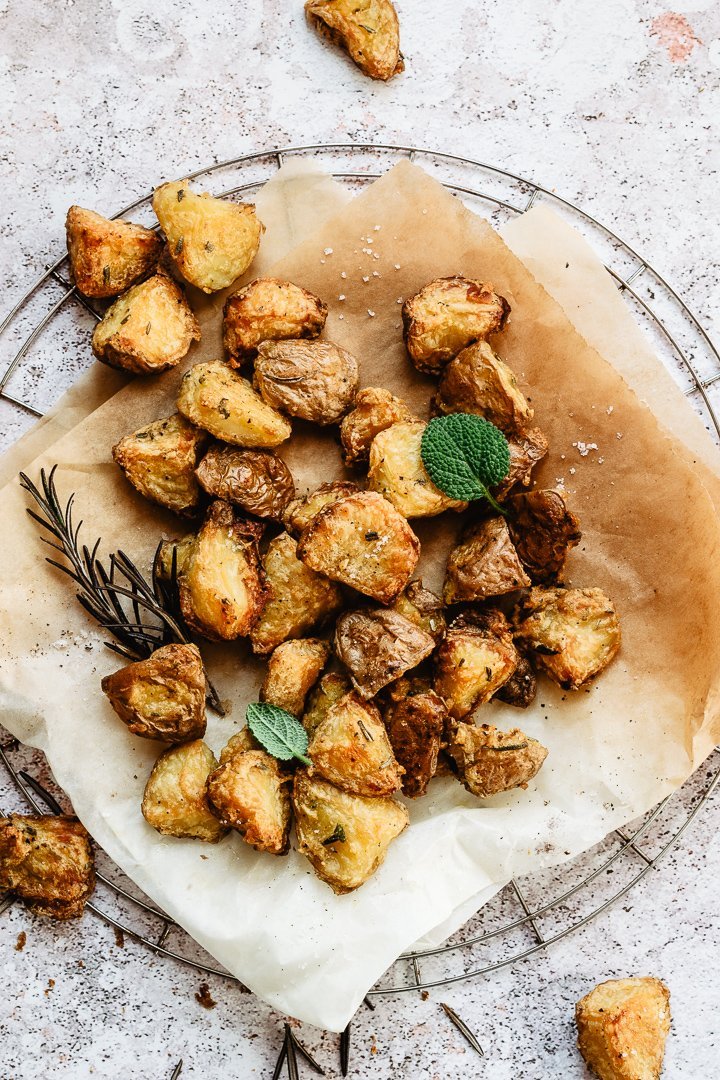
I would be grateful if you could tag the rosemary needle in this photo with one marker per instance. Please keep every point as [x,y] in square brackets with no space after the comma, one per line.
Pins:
[306,1054]
[463,1029]
[345,1051]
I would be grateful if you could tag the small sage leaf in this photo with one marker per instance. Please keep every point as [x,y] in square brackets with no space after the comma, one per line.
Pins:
[278,731]
[465,455]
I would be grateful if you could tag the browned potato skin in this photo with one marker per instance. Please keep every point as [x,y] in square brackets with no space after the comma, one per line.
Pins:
[476,658]
[623,1025]
[107,257]
[326,693]
[217,399]
[525,452]
[249,793]
[269,309]
[160,460]
[367,29]
[543,530]
[313,380]
[47,861]
[350,749]
[256,480]
[175,801]
[446,316]
[422,607]
[162,697]
[490,761]
[415,725]
[302,510]
[521,687]
[293,669]
[374,410]
[377,646]
[484,564]
[478,381]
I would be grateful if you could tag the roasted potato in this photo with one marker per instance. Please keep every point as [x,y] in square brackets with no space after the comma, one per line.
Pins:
[210,241]
[542,530]
[397,472]
[302,510]
[237,743]
[362,541]
[367,29]
[521,687]
[330,689]
[573,634]
[623,1025]
[269,310]
[525,452]
[478,381]
[313,380]
[293,669]
[491,761]
[219,400]
[221,586]
[475,659]
[48,863]
[249,793]
[298,599]
[446,316]
[484,564]
[415,724]
[377,646]
[107,257]
[374,410]
[162,697]
[169,550]
[160,460]
[256,480]
[350,749]
[175,800]
[345,837]
[149,328]
[422,607]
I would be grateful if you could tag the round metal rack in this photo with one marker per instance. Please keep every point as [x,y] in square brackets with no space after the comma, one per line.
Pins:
[528,914]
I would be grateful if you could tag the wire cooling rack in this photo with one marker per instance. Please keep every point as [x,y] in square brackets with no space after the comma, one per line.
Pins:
[52,320]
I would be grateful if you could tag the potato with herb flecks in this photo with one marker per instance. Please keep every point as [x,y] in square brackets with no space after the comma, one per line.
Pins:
[397,472]
[313,380]
[374,410]
[160,461]
[446,316]
[249,793]
[269,310]
[526,450]
[302,510]
[478,381]
[162,697]
[256,480]
[293,669]
[422,607]
[323,695]
[476,658]
[483,564]
[175,800]
[107,257]
[490,761]
[623,1025]
[47,861]
[220,401]
[415,723]
[367,29]
[378,645]
[173,554]
[542,530]
[350,749]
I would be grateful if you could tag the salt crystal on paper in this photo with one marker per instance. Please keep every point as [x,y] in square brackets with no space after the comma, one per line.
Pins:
[341,296]
[610,409]
[328,251]
[365,277]
[584,448]
[371,313]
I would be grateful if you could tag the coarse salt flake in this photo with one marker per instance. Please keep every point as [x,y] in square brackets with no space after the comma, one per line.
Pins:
[584,448]
[377,228]
[366,277]
[397,266]
[343,274]
[341,296]
[328,251]
[610,410]
[371,313]
[376,273]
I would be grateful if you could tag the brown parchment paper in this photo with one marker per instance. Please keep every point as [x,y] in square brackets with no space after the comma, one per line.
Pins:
[651,539]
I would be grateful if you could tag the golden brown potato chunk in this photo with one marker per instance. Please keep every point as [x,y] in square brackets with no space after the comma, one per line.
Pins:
[476,658]
[367,29]
[484,564]
[345,837]
[362,541]
[249,792]
[269,310]
[173,552]
[302,510]
[313,380]
[149,328]
[521,687]
[162,697]
[491,761]
[422,607]
[415,725]
[525,452]
[219,400]
[398,473]
[326,693]
[107,257]
[293,669]
[256,480]
[221,586]
[542,530]
[175,800]
[623,1025]
[573,634]
[377,646]
[298,599]
[160,461]
[48,862]
[350,748]
[478,381]
[210,241]
[446,316]
[241,740]
[374,410]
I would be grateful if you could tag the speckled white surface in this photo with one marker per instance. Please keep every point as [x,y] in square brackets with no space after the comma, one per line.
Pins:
[614,105]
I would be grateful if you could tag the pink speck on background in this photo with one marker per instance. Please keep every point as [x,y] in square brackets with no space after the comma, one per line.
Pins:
[676,35]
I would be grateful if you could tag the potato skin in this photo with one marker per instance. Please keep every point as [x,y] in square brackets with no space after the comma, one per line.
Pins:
[367,29]
[415,725]
[422,607]
[623,1025]
[255,480]
[377,646]
[521,688]
[313,380]
[397,472]
[374,410]
[476,658]
[293,669]
[490,761]
[483,564]
[269,309]
[542,530]
[107,257]
[249,793]
[330,689]
[160,460]
[350,749]
[47,861]
[446,316]
[175,800]
[162,697]
[302,510]
[478,381]
[526,450]
[215,398]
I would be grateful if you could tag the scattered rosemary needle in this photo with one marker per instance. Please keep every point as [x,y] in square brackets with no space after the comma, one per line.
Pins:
[462,1028]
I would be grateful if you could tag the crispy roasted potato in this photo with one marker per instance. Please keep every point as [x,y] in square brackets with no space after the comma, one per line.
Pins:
[350,749]
[478,381]
[367,29]
[249,792]
[169,550]
[484,564]
[293,669]
[237,743]
[378,645]
[323,695]
[302,510]
[475,659]
[162,697]
[521,687]
[362,541]
[269,310]
[422,607]
[175,800]
[160,460]
[298,599]
[525,452]
[446,316]
[573,634]
[415,724]
[222,588]
[107,257]
[345,837]
[491,761]
[256,480]
[48,863]
[210,241]
[313,380]
[216,398]
[623,1025]
[542,530]
[398,473]
[374,410]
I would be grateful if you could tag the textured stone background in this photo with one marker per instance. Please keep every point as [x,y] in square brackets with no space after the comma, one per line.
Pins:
[614,105]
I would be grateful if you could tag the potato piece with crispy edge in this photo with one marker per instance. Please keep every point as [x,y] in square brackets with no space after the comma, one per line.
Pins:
[313,380]
[521,687]
[327,692]
[293,669]
[350,749]
[362,541]
[483,564]
[490,761]
[256,480]
[446,316]
[216,398]
[377,646]
[572,634]
[299,600]
[623,1025]
[422,607]
[107,257]
[48,862]
[242,740]
[525,452]
[249,793]
[210,241]
[367,29]
[269,309]
[179,550]
[478,381]
[374,410]
[415,725]
[476,658]
[160,460]
[162,697]
[222,585]
[397,472]
[345,837]
[302,510]
[175,800]
[542,530]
